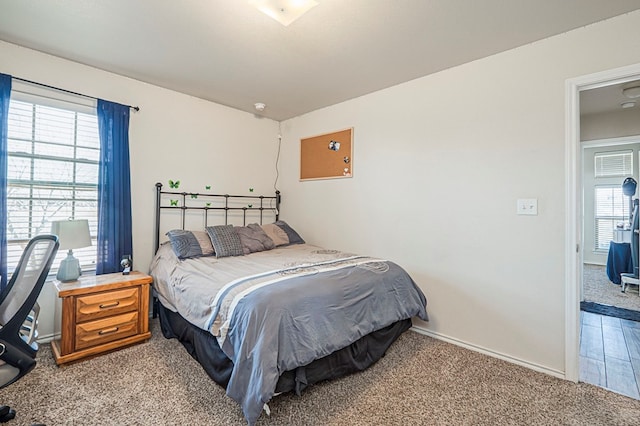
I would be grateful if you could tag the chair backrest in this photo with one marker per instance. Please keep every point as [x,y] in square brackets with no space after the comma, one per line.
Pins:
[23,289]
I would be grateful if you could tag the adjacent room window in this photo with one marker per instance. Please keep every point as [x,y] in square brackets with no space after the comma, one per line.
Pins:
[54,150]
[613,164]
[612,208]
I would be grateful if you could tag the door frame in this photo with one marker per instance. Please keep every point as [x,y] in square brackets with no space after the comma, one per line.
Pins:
[573,204]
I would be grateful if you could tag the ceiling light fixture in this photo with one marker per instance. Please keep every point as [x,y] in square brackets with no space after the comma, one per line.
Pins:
[284,11]
[629,104]
[632,92]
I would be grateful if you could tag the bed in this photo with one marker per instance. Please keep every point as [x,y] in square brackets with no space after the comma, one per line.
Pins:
[278,314]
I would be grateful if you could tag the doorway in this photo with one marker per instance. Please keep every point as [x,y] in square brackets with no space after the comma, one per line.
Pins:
[607,234]
[596,344]
[609,327]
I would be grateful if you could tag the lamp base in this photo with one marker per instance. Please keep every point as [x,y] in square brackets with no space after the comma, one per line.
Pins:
[69,269]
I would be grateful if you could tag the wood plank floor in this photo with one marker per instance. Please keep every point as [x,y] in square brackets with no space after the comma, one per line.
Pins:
[610,353]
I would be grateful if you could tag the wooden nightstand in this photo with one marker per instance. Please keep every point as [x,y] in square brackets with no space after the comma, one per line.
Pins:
[102,313]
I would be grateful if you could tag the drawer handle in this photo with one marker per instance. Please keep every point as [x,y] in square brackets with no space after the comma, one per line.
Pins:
[108,331]
[109,305]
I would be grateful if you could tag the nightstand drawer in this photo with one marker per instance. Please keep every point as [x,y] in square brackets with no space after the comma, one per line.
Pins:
[106,330]
[101,305]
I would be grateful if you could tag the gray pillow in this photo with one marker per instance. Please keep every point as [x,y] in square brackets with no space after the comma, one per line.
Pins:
[225,240]
[253,238]
[294,238]
[189,244]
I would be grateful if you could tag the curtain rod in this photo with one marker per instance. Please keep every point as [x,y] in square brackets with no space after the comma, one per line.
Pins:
[135,108]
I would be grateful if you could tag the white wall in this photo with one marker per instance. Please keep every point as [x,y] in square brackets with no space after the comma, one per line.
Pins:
[174,136]
[439,163]
[615,124]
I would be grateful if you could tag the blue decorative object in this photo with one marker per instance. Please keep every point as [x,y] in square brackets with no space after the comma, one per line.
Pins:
[114,187]
[5,93]
[69,269]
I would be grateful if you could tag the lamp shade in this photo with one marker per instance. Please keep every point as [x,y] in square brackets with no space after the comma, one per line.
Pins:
[629,187]
[72,234]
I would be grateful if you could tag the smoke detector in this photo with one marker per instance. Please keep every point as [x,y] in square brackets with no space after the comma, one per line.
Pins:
[259,106]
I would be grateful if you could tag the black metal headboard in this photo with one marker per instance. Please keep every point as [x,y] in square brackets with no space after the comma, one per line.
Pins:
[208,199]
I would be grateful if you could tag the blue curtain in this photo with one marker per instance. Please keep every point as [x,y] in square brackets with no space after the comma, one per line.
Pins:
[5,93]
[114,187]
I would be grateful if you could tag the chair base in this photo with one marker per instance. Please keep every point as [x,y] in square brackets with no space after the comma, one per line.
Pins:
[6,413]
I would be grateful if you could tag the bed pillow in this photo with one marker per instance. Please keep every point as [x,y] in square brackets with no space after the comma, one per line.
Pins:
[253,238]
[225,240]
[190,244]
[277,235]
[293,236]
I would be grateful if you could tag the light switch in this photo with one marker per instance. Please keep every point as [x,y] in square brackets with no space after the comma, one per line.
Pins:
[528,206]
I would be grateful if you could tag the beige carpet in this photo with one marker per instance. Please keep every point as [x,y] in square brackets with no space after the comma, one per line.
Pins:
[421,381]
[597,288]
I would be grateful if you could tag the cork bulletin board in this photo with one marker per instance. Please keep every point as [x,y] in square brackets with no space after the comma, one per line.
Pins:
[328,156]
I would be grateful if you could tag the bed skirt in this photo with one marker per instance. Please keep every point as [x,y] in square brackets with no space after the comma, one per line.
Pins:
[204,348]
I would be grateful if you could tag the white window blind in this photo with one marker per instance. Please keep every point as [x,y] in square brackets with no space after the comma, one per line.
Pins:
[53,155]
[612,208]
[613,164]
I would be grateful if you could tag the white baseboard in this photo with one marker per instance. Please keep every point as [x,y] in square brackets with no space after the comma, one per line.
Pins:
[485,351]
[48,338]
[556,373]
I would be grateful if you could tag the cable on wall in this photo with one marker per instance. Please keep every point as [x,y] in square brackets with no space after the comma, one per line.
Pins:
[275,182]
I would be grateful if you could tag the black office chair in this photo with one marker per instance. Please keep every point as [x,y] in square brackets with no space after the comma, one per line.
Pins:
[19,313]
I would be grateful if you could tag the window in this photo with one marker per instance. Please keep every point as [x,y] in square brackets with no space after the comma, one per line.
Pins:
[613,164]
[612,208]
[53,154]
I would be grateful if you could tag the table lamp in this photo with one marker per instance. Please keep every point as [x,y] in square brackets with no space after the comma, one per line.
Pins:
[72,234]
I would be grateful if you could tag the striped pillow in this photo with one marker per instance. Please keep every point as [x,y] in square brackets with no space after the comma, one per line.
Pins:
[189,244]
[225,240]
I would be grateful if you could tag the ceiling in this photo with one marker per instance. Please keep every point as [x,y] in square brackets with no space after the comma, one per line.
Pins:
[228,52]
[607,99]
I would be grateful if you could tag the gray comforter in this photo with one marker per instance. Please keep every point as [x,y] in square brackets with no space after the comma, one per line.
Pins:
[272,320]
